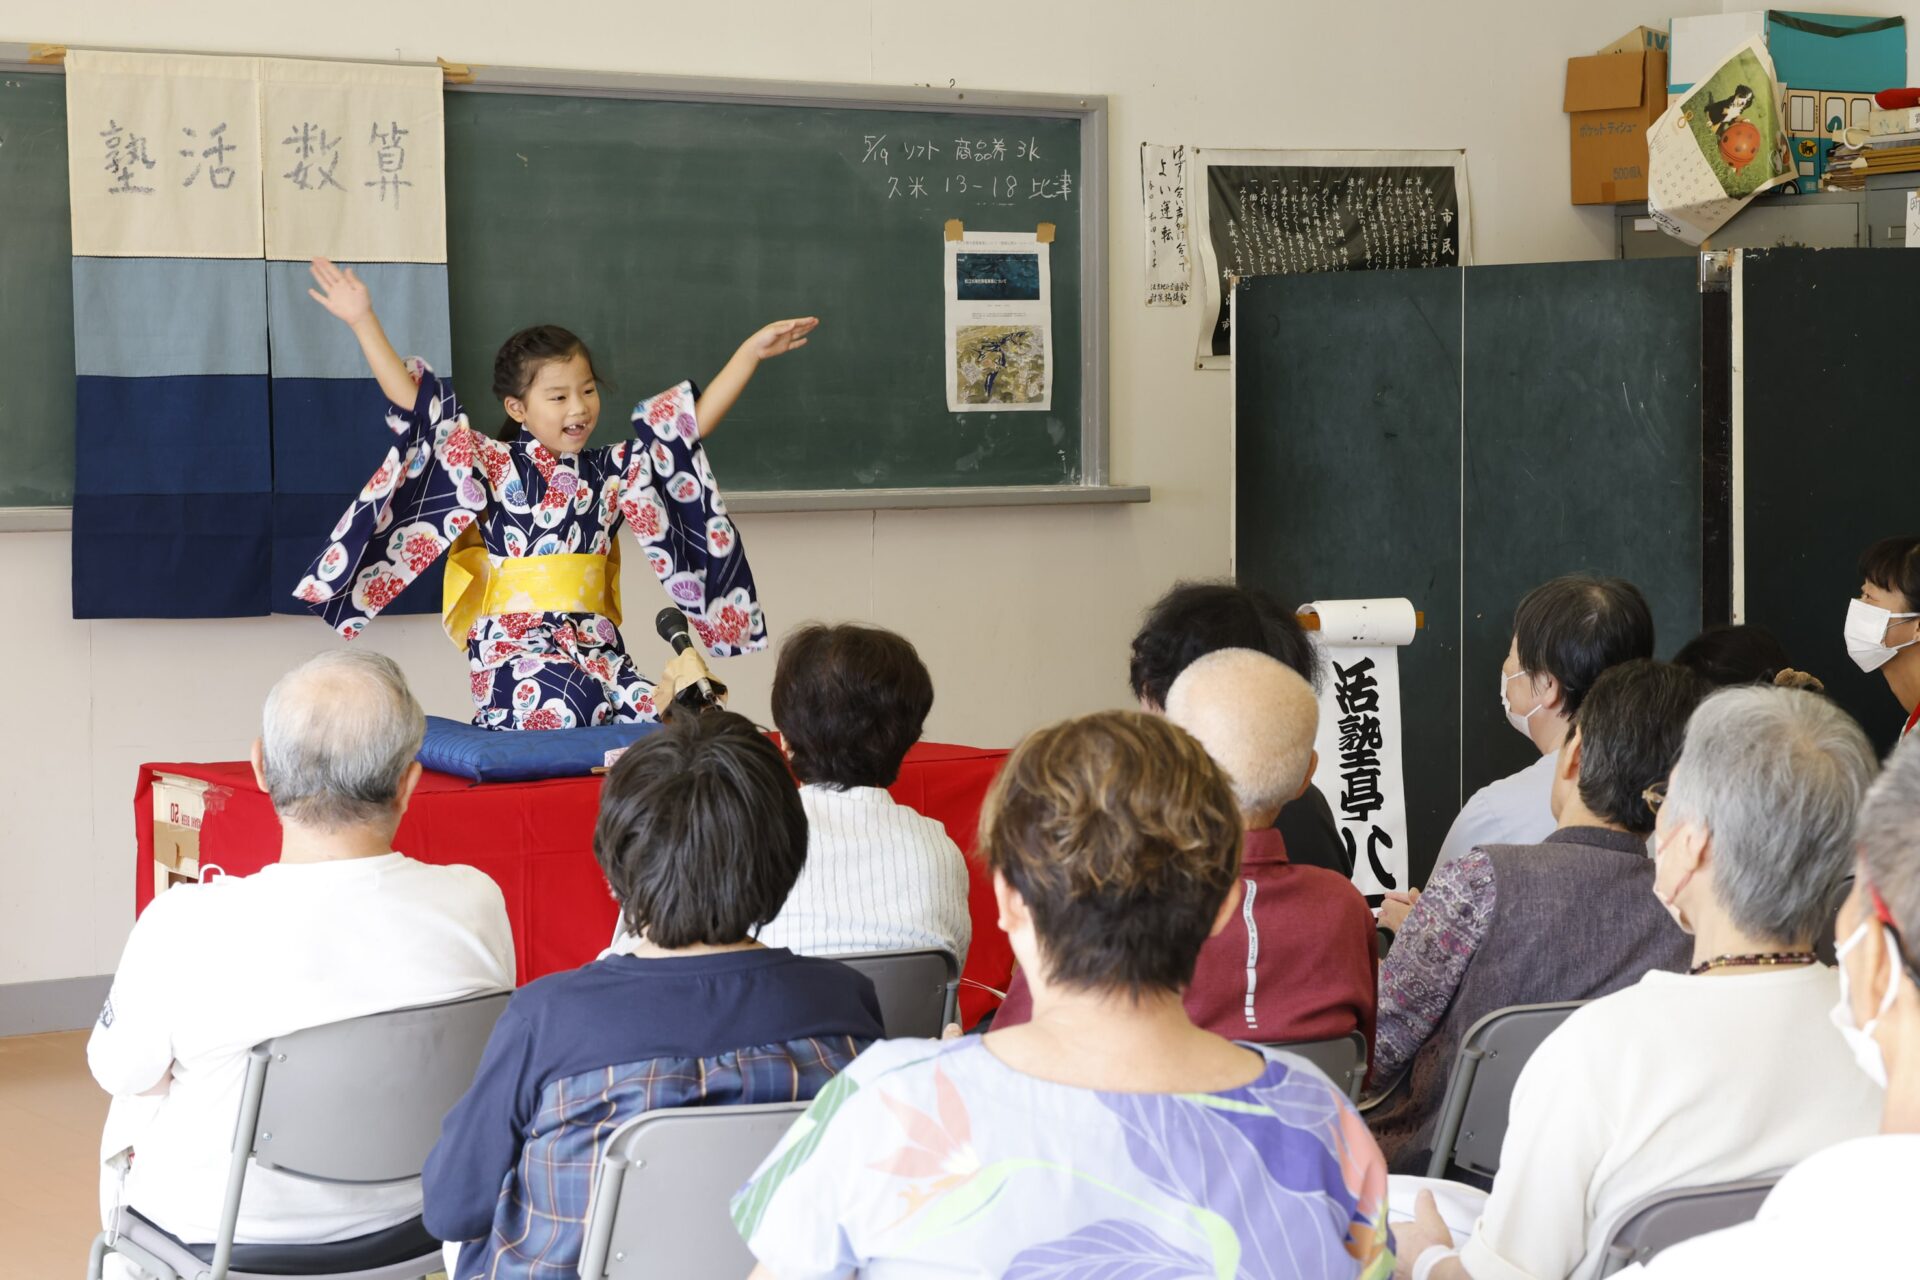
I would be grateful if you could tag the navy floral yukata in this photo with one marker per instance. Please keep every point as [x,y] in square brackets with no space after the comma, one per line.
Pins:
[543,670]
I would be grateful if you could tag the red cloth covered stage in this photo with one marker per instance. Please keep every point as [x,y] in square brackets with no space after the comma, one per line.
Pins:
[536,840]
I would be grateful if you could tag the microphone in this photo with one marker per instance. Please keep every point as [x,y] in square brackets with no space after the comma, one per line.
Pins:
[702,694]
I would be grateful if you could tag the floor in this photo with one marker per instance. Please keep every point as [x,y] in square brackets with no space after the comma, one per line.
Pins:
[50,1117]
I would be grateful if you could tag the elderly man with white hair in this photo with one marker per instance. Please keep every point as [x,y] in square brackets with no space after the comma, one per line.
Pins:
[1728,1071]
[340,927]
[1296,961]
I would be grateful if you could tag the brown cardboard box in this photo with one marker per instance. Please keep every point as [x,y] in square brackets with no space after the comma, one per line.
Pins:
[1638,39]
[179,808]
[1612,99]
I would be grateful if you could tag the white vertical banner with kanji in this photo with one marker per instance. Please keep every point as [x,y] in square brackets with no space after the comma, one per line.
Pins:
[163,155]
[1359,739]
[355,161]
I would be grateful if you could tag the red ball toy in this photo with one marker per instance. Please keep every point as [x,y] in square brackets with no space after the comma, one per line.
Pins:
[1739,144]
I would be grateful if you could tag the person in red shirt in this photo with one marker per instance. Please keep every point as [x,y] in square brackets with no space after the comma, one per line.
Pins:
[1296,961]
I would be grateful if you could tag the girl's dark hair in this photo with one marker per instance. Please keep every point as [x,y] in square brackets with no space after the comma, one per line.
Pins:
[701,832]
[1728,654]
[520,358]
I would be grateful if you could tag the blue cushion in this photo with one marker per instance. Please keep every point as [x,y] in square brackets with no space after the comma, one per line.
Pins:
[497,755]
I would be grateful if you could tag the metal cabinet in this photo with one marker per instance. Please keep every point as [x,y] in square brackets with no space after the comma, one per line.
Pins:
[1830,220]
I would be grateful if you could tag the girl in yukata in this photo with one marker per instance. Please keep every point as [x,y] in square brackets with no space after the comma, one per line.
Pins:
[532,520]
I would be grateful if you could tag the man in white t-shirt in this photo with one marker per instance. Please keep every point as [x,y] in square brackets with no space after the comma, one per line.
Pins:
[1842,1211]
[340,927]
[1565,634]
[849,702]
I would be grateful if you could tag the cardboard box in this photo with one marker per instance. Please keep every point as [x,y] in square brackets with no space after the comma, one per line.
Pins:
[1612,100]
[1638,40]
[179,810]
[1846,53]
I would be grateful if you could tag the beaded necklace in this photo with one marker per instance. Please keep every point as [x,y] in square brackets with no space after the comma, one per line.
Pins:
[1766,959]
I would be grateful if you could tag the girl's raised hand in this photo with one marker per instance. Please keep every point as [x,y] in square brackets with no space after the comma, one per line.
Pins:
[782,336]
[340,292]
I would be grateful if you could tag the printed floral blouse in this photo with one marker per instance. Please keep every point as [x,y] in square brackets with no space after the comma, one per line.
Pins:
[927,1158]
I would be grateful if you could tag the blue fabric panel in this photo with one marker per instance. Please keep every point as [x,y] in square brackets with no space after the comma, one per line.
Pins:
[1837,51]
[204,435]
[493,755]
[164,317]
[329,436]
[171,555]
[306,342]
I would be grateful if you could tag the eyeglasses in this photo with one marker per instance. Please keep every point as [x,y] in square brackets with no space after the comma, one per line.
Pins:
[1655,796]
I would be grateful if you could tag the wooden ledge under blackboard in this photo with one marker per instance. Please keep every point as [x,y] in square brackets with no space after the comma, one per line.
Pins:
[775,501]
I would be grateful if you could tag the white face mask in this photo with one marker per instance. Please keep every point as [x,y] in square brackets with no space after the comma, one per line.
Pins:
[1866,1050]
[1514,718]
[1866,634]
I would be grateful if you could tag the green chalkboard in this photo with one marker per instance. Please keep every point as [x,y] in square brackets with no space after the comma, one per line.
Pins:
[1458,437]
[36,293]
[664,232]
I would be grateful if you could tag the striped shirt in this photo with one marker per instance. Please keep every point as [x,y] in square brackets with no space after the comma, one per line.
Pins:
[879,877]
[578,1053]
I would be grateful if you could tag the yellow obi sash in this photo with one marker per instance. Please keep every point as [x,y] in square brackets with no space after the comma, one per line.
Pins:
[478,588]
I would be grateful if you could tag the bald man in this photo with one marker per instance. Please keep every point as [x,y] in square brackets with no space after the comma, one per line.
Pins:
[339,927]
[1296,962]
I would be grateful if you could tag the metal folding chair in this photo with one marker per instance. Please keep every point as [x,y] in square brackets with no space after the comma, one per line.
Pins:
[919,990]
[1665,1218]
[360,1102]
[1473,1120]
[661,1195]
[1344,1060]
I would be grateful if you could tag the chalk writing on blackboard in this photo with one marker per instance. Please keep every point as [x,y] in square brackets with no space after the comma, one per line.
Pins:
[1340,214]
[1014,184]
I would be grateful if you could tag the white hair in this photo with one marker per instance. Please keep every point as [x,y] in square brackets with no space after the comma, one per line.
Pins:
[1889,841]
[337,736]
[1775,776]
[1255,716]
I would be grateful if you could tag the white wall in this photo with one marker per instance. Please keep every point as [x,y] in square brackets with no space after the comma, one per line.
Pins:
[1021,614]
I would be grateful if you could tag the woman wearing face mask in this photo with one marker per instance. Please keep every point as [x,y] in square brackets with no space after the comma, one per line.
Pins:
[1883,623]
[1805,1226]
[1728,1071]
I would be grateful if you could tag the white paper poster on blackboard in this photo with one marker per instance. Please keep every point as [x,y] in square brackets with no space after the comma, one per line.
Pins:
[999,330]
[1271,213]
[1360,770]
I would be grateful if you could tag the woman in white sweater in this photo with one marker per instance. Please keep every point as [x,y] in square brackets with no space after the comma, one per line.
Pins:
[1810,1224]
[1727,1072]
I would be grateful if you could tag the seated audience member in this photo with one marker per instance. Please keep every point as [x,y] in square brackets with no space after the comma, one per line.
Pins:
[849,702]
[1109,1127]
[1565,633]
[340,927]
[1811,1223]
[1296,962]
[1570,918]
[1197,618]
[1727,654]
[1727,1071]
[701,834]
[1883,622]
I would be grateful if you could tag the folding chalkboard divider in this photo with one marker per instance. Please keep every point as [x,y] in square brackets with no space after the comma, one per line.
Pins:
[811,435]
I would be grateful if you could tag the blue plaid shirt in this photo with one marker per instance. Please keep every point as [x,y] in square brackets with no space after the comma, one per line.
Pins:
[514,1168]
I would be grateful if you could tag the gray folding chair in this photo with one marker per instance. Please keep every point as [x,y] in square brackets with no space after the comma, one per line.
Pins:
[1473,1120]
[661,1197]
[919,990]
[359,1102]
[1344,1060]
[1665,1218]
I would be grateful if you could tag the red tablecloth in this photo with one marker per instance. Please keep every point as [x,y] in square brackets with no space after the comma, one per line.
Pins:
[536,840]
